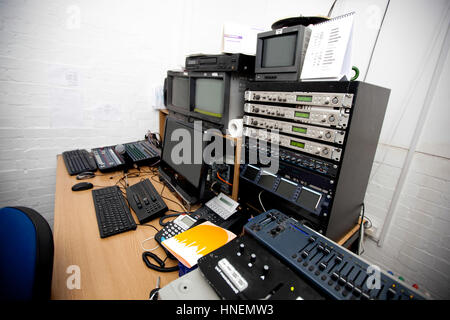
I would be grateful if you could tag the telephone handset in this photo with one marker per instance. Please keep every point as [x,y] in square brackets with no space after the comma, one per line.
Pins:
[182,223]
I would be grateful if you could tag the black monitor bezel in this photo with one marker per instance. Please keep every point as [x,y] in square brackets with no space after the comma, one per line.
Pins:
[298,31]
[167,165]
[193,76]
[170,76]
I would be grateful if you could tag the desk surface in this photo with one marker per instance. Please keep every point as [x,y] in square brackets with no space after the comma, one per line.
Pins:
[110,268]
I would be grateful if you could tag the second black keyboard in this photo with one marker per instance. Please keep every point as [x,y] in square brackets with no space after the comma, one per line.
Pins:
[78,161]
[113,214]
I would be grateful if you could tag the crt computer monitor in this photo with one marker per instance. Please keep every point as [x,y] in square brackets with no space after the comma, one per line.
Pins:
[217,97]
[190,171]
[280,53]
[178,91]
[209,96]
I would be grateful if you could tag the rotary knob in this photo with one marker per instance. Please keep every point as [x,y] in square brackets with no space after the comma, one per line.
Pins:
[331,118]
[325,151]
[241,248]
[328,135]
[265,270]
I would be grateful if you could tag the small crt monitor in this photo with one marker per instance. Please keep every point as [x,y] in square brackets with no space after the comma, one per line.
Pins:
[209,96]
[280,53]
[178,91]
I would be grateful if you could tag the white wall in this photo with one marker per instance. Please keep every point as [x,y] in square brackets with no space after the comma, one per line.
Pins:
[417,243]
[79,74]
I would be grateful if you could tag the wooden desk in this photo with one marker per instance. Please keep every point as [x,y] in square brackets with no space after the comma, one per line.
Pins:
[111,268]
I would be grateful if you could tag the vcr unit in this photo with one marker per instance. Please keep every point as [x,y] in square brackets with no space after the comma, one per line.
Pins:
[229,62]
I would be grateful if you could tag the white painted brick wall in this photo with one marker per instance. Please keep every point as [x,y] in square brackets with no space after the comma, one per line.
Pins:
[62,89]
[417,247]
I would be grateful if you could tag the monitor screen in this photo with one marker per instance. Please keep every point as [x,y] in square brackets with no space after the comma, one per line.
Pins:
[180,92]
[279,51]
[309,198]
[286,188]
[190,170]
[267,181]
[209,96]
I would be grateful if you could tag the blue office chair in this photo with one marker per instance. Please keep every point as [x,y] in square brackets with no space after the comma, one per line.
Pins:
[26,255]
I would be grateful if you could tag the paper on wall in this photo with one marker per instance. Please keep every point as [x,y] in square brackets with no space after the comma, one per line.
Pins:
[238,38]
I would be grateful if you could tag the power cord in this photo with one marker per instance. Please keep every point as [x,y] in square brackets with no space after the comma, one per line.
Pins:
[260,201]
[361,231]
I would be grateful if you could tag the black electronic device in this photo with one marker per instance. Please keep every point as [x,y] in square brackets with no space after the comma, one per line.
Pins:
[332,269]
[244,269]
[230,62]
[180,224]
[177,226]
[212,97]
[233,223]
[305,195]
[221,177]
[145,201]
[280,53]
[142,152]
[184,169]
[178,91]
[78,161]
[82,186]
[108,159]
[324,137]
[113,214]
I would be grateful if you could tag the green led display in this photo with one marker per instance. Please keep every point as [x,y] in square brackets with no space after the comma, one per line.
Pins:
[297,144]
[299,129]
[299,114]
[304,98]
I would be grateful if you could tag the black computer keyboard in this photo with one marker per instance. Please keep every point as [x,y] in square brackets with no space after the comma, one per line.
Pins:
[78,161]
[113,214]
[145,201]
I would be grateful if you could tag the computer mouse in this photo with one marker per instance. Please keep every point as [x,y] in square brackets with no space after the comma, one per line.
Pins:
[82,186]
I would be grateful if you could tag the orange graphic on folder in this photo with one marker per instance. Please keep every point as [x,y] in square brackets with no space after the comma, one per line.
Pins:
[196,242]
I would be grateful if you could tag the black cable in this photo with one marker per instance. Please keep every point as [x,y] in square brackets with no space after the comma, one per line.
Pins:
[148,225]
[161,220]
[161,267]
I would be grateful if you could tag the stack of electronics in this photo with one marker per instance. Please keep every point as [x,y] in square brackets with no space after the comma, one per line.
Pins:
[210,89]
[322,134]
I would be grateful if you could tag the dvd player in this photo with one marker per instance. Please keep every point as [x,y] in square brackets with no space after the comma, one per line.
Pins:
[237,62]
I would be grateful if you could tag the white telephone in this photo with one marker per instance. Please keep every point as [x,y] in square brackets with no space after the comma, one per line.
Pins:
[222,205]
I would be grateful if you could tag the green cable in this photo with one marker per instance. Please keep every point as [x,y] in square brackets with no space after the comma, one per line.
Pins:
[356,73]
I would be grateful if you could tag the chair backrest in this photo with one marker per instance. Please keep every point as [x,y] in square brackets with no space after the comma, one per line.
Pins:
[26,255]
